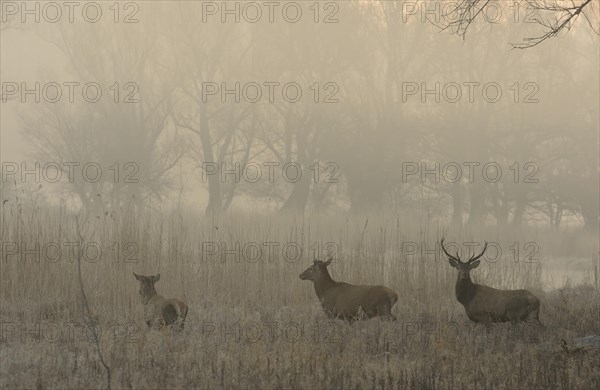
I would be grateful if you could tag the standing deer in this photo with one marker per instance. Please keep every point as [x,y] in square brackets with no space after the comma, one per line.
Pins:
[158,311]
[346,301]
[486,304]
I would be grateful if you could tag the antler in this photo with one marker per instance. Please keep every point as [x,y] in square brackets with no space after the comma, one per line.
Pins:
[473,258]
[329,259]
[448,254]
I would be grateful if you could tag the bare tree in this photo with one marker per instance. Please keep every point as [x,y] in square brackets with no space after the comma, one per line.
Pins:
[555,16]
[202,54]
[126,133]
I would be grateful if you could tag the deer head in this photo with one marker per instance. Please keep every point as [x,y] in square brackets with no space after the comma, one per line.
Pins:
[463,267]
[147,289]
[315,271]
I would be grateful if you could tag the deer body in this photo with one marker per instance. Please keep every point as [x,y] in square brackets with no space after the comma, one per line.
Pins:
[347,301]
[486,304]
[158,311]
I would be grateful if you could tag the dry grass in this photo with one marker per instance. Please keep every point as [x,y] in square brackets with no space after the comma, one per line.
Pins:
[255,324]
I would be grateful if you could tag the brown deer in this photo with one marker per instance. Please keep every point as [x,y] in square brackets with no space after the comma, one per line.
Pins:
[486,304]
[158,311]
[346,301]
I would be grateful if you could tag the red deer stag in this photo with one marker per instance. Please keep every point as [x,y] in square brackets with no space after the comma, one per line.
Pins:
[485,304]
[346,301]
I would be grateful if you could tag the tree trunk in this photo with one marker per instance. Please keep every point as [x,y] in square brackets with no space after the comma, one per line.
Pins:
[476,211]
[591,217]
[214,181]
[457,205]
[517,219]
[298,199]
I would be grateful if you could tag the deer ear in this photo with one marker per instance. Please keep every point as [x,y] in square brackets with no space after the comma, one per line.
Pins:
[155,278]
[474,264]
[138,277]
[453,262]
[328,262]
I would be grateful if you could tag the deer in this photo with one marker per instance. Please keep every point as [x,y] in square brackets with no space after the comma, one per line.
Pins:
[160,313]
[348,302]
[487,305]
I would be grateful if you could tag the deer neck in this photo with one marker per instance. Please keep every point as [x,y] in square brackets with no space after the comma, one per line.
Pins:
[323,283]
[151,297]
[465,289]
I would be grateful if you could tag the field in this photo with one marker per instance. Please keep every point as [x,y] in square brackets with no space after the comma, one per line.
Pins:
[231,154]
[254,324]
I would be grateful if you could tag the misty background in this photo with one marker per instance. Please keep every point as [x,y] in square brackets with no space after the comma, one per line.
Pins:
[381,128]
[360,122]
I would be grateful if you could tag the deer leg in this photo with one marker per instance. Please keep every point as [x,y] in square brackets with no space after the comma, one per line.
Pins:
[534,311]
[183,316]
[520,308]
[386,316]
[534,316]
[385,311]
[514,315]
[523,313]
[486,319]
